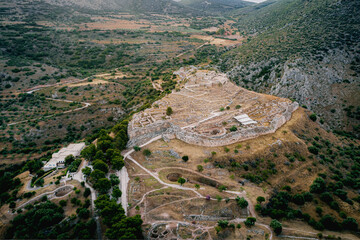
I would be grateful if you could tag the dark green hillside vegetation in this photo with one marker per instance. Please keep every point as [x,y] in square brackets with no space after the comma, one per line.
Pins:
[315,177]
[336,189]
[46,221]
[63,49]
[119,226]
[301,50]
[9,185]
[287,29]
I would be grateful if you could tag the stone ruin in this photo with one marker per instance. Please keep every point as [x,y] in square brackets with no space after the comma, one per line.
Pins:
[206,110]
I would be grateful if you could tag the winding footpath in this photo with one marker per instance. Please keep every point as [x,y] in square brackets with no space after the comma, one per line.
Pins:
[251,209]
[85,105]
[45,194]
[39,87]
[154,175]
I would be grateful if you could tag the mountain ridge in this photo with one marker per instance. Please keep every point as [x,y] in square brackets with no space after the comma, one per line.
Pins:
[308,35]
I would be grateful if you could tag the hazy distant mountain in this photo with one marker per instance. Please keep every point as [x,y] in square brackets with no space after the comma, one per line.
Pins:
[216,5]
[163,6]
[146,6]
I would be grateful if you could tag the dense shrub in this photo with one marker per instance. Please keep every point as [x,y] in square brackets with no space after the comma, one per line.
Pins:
[318,185]
[241,202]
[276,226]
[37,222]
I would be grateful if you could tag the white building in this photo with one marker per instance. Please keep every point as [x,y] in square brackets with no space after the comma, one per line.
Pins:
[58,159]
[244,119]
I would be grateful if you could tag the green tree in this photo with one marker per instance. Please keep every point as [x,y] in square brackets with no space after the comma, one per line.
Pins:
[318,185]
[40,182]
[117,162]
[69,159]
[33,166]
[350,224]
[223,223]
[200,168]
[197,186]
[126,228]
[114,180]
[87,192]
[12,204]
[276,226]
[86,171]
[101,165]
[100,155]
[169,111]
[89,152]
[319,210]
[260,199]
[185,158]
[313,150]
[181,181]
[298,199]
[96,175]
[103,185]
[33,223]
[222,188]
[116,193]
[241,202]
[104,145]
[147,152]
[330,223]
[233,129]
[250,221]
[83,213]
[63,203]
[313,117]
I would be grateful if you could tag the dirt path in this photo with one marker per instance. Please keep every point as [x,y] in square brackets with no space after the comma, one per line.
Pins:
[46,193]
[147,193]
[208,42]
[85,105]
[39,87]
[124,180]
[155,175]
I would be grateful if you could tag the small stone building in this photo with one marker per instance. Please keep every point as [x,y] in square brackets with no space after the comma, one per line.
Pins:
[58,159]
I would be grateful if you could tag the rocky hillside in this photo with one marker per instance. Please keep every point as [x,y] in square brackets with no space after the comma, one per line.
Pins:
[137,6]
[305,50]
[216,6]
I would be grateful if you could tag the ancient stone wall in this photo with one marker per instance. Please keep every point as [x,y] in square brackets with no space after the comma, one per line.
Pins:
[170,131]
[140,136]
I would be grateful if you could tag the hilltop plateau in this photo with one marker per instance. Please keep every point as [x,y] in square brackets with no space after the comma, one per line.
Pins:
[209,110]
